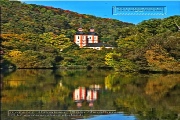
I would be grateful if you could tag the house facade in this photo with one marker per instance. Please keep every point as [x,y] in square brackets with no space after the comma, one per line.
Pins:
[89,40]
[82,39]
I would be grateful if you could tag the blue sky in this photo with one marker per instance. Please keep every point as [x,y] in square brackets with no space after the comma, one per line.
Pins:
[104,8]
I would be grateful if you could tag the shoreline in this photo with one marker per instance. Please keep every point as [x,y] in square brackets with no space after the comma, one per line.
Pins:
[89,68]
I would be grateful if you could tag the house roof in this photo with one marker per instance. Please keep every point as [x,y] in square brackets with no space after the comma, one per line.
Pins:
[98,45]
[82,33]
[79,33]
[92,33]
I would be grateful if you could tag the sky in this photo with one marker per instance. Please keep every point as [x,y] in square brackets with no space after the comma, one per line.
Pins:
[103,8]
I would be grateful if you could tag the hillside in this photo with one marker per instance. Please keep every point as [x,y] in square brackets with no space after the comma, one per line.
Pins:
[21,18]
[30,24]
[35,36]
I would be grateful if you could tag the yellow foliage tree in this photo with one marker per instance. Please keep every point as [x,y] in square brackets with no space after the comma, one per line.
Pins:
[159,60]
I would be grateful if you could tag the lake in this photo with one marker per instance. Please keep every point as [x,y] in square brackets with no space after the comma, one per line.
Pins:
[29,94]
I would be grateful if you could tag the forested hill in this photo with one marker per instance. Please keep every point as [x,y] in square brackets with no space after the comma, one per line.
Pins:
[21,18]
[35,36]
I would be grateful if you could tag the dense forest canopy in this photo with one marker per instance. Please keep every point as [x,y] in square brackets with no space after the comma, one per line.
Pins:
[35,36]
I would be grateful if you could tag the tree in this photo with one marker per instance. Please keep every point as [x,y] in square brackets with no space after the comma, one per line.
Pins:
[118,63]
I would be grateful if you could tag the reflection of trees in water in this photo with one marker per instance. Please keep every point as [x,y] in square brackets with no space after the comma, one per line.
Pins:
[160,86]
[28,78]
[152,98]
[75,78]
[147,96]
[35,89]
[43,86]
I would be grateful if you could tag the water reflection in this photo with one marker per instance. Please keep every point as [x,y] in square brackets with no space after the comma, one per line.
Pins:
[95,87]
[153,96]
[89,94]
[79,95]
[91,97]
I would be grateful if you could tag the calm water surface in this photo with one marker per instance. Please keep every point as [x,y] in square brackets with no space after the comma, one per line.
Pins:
[89,95]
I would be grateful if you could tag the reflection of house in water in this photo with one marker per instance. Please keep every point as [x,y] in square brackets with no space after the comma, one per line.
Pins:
[91,97]
[95,87]
[79,95]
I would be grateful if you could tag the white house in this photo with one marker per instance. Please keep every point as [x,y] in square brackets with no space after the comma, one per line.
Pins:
[89,40]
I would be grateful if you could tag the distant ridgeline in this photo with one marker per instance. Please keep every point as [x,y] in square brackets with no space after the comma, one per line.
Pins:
[35,36]
[21,18]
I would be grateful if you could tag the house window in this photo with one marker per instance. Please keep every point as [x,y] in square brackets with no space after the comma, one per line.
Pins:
[95,37]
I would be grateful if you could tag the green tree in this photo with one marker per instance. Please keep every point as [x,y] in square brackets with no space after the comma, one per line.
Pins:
[118,63]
